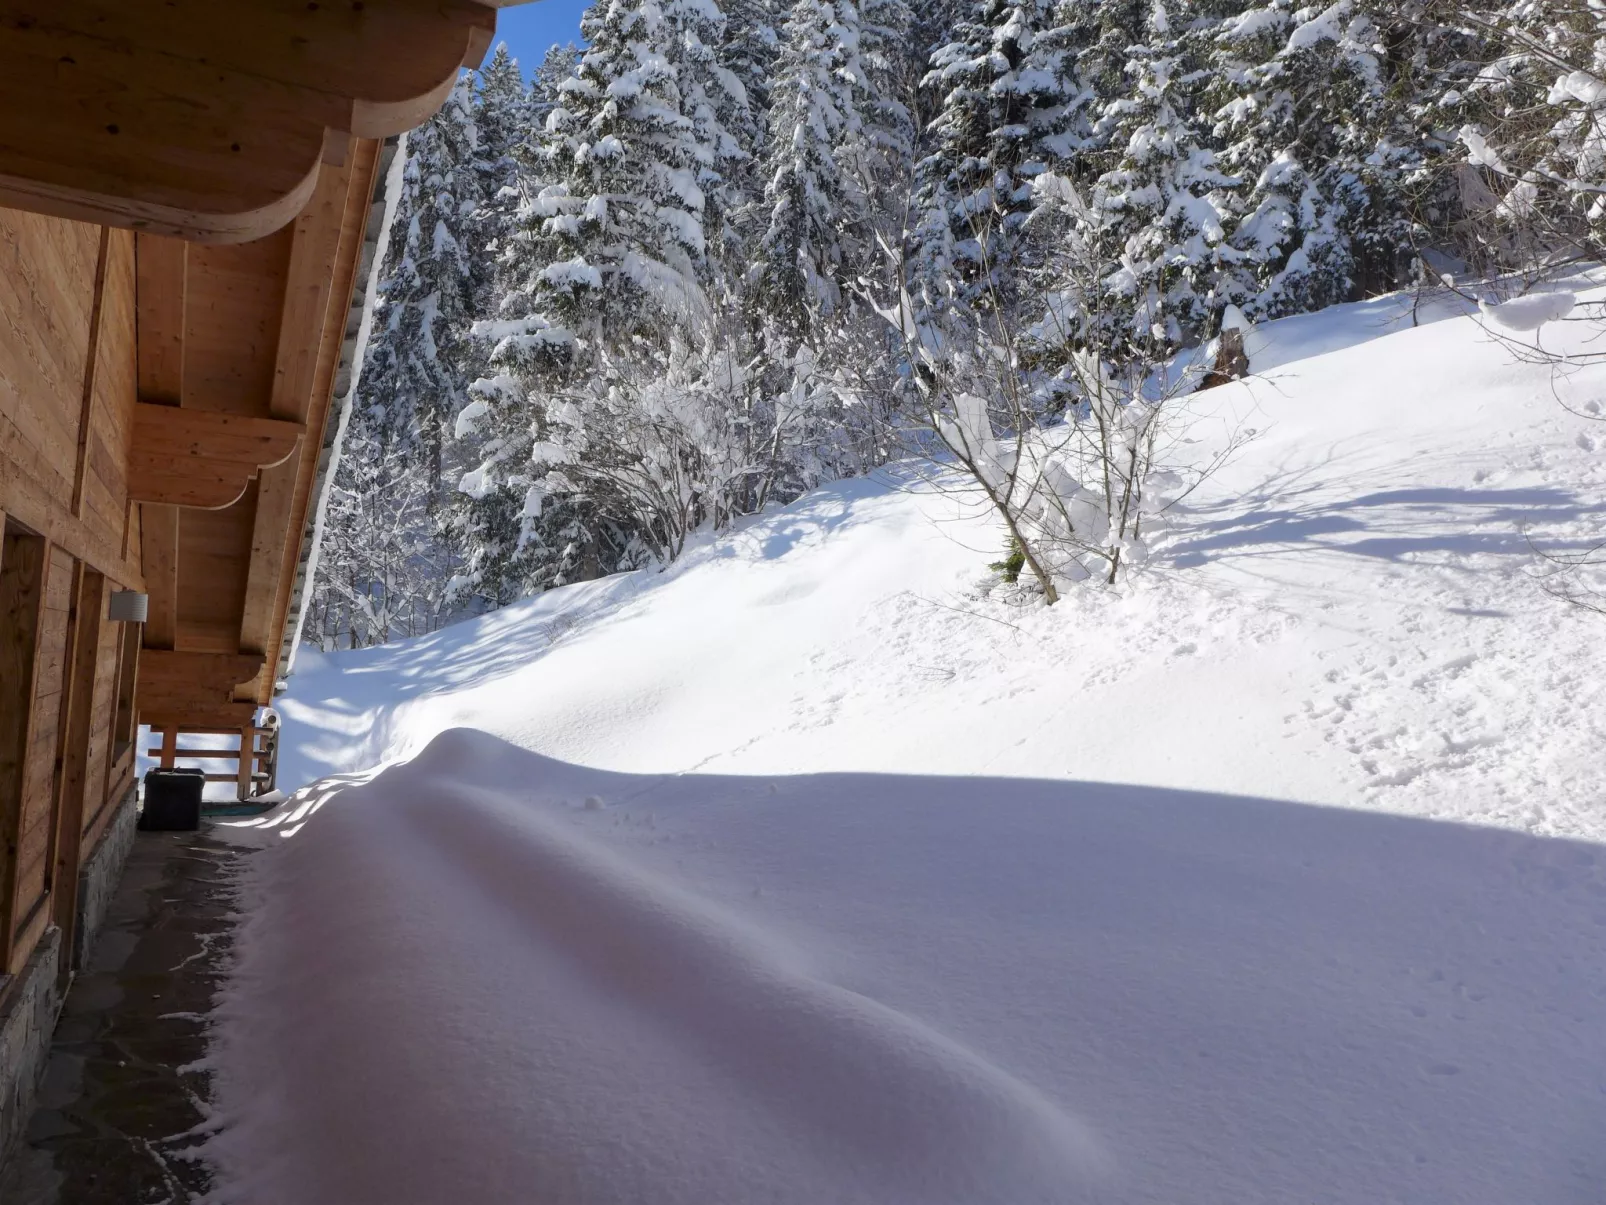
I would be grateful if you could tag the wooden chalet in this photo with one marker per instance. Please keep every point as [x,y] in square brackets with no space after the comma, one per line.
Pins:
[186,191]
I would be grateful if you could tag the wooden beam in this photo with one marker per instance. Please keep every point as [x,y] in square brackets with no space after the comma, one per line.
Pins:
[203,436]
[161,278]
[271,542]
[181,457]
[199,684]
[348,260]
[24,562]
[308,326]
[158,536]
[86,409]
[199,488]
[206,120]
[246,765]
[309,283]
[73,785]
[217,754]
[225,718]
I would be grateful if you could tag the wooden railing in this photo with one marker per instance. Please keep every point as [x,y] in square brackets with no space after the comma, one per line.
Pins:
[255,755]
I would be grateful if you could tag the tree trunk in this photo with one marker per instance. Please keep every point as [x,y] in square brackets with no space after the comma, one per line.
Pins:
[1232,362]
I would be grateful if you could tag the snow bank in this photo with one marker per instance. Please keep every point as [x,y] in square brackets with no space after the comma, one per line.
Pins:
[461,983]
[609,1035]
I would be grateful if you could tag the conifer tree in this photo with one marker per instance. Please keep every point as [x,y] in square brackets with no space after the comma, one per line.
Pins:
[1009,112]
[1304,122]
[632,146]
[891,75]
[811,197]
[1161,211]
[428,296]
[392,497]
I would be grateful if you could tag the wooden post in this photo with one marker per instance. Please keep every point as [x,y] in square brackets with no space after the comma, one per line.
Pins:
[86,412]
[248,740]
[169,746]
[158,538]
[23,564]
[78,712]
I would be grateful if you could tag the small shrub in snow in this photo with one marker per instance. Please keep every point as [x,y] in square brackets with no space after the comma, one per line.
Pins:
[1081,494]
[1014,561]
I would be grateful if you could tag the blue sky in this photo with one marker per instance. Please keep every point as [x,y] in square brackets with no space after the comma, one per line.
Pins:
[529,29]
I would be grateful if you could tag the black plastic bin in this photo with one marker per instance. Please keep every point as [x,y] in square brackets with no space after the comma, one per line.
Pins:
[172,800]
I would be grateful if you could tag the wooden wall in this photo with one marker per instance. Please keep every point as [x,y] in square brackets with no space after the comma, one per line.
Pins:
[67,395]
[38,795]
[65,411]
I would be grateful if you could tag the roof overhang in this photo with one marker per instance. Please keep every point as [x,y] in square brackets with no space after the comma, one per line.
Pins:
[210,119]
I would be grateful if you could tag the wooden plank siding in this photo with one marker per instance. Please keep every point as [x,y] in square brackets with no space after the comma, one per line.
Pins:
[47,292]
[67,395]
[105,485]
[24,557]
[234,299]
[40,777]
[48,284]
[85,731]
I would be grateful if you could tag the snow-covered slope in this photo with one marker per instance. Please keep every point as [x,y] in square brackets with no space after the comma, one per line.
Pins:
[1348,614]
[819,869]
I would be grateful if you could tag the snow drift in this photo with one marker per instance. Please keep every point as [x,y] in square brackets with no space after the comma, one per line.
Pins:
[899,990]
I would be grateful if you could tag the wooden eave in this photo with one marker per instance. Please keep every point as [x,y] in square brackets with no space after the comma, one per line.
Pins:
[208,119]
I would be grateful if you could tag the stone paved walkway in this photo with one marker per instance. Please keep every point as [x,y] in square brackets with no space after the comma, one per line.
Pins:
[117,1114]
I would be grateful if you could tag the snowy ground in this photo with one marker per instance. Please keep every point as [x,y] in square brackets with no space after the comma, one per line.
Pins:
[820,869]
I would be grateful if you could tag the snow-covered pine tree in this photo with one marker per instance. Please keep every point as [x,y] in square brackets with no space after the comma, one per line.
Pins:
[632,145]
[748,53]
[887,110]
[610,284]
[385,554]
[504,115]
[428,295]
[546,82]
[1010,109]
[1310,120]
[391,498]
[485,520]
[1160,212]
[815,208]
[503,108]
[1291,254]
